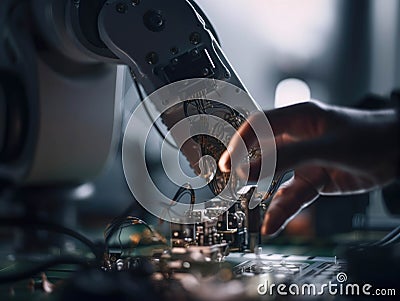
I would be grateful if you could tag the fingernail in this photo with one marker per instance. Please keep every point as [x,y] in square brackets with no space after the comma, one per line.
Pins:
[223,163]
[263,230]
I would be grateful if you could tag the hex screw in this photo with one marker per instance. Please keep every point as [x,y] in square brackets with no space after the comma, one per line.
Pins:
[174,50]
[195,52]
[121,7]
[152,58]
[195,38]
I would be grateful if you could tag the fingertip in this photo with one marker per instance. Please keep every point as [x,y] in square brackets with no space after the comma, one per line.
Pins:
[267,226]
[263,230]
[272,224]
[224,162]
[264,225]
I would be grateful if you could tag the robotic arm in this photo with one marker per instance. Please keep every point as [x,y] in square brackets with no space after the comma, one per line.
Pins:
[68,71]
[171,42]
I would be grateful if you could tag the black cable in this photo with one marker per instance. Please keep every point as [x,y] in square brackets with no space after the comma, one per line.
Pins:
[392,241]
[51,227]
[118,222]
[141,97]
[390,238]
[186,188]
[177,199]
[206,20]
[17,276]
[183,190]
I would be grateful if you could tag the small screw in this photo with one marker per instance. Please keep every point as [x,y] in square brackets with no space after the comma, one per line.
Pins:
[174,50]
[206,71]
[121,8]
[152,58]
[195,38]
[135,2]
[154,20]
[195,52]
[227,74]
[175,61]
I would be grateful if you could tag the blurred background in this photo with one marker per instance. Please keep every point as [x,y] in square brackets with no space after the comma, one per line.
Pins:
[341,49]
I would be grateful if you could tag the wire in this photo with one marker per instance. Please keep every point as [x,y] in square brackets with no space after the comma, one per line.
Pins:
[118,222]
[51,227]
[17,276]
[391,238]
[394,240]
[182,191]
[141,97]
[177,200]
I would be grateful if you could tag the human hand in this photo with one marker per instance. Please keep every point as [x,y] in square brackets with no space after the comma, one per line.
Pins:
[333,150]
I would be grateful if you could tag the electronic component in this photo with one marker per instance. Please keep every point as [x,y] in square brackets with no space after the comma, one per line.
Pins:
[222,223]
[130,238]
[278,268]
[231,226]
